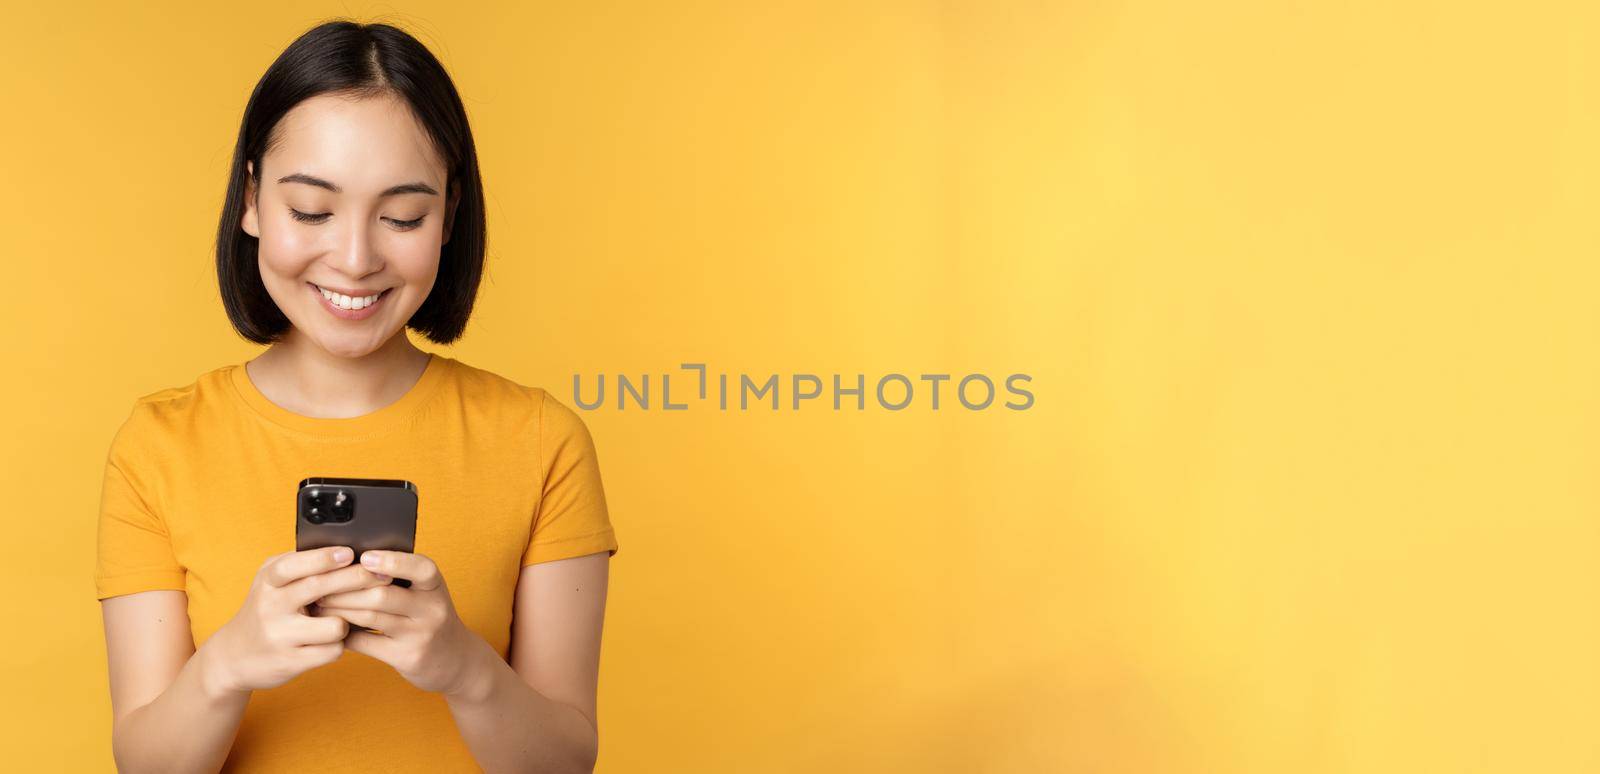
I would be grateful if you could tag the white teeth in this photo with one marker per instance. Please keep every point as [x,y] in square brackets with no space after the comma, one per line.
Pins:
[347,302]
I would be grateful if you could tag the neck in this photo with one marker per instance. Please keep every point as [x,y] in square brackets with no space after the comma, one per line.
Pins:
[300,376]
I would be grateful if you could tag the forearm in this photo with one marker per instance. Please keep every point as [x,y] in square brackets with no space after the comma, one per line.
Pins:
[510,727]
[188,728]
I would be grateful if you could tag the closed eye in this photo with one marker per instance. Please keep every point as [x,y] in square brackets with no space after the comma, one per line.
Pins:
[316,218]
[305,217]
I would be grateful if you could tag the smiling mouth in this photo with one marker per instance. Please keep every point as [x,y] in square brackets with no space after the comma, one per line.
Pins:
[349,303]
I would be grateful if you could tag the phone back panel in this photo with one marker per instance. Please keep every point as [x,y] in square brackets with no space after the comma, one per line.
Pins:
[383,515]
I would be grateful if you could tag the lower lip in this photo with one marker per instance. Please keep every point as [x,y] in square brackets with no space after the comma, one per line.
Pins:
[349,314]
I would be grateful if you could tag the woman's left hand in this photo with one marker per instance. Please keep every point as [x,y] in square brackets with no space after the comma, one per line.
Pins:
[422,637]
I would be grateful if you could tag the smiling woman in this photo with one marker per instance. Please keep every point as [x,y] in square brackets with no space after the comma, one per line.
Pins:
[343,232]
[354,213]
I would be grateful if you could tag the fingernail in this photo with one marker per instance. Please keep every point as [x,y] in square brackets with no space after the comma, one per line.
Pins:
[342,555]
[370,560]
[382,577]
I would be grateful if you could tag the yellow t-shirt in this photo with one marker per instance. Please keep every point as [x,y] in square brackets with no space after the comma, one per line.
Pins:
[200,486]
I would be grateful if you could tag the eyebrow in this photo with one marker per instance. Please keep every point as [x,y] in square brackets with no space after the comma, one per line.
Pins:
[403,188]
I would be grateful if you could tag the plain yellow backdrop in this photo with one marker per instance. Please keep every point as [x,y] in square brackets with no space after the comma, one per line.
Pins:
[1307,292]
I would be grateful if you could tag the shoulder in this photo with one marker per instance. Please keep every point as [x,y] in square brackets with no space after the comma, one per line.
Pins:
[171,408]
[554,419]
[493,397]
[158,419]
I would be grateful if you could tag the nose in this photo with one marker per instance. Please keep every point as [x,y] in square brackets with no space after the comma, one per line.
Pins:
[358,254]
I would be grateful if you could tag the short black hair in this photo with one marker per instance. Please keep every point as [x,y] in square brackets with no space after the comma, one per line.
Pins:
[342,56]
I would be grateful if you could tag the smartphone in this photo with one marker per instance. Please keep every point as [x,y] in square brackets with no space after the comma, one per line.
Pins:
[364,513]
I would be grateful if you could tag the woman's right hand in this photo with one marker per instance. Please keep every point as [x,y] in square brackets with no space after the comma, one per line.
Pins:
[271,639]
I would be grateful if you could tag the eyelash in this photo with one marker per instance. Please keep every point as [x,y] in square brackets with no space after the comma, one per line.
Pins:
[303,217]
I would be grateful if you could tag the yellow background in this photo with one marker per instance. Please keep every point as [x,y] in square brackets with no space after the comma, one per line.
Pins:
[1307,291]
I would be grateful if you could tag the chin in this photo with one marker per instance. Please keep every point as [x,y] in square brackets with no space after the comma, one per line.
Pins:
[348,346]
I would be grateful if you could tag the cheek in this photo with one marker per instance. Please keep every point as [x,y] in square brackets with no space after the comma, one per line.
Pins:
[416,261]
[281,264]
[286,251]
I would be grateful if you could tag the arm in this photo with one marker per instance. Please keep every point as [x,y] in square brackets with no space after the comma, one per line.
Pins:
[538,712]
[534,714]
[175,709]
[168,712]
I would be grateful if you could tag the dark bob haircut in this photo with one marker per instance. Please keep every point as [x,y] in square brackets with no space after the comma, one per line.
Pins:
[362,60]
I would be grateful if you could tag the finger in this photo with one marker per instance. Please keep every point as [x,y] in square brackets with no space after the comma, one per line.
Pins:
[377,646]
[384,599]
[385,623]
[288,568]
[316,606]
[305,591]
[420,570]
[318,655]
[377,579]
[311,630]
[310,589]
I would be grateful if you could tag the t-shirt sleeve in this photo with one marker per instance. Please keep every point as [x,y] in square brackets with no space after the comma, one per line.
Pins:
[134,550]
[571,518]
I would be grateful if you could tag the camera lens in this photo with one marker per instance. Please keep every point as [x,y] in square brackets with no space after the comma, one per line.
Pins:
[343,505]
[314,516]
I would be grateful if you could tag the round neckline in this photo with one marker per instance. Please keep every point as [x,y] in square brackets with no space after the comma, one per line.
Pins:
[371,423]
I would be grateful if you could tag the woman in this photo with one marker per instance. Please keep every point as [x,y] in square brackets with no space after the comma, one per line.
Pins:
[354,211]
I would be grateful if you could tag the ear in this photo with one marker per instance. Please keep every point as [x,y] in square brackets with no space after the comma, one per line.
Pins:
[250,222]
[450,210]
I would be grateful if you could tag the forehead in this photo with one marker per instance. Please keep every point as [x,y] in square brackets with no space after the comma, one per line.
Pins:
[366,143]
